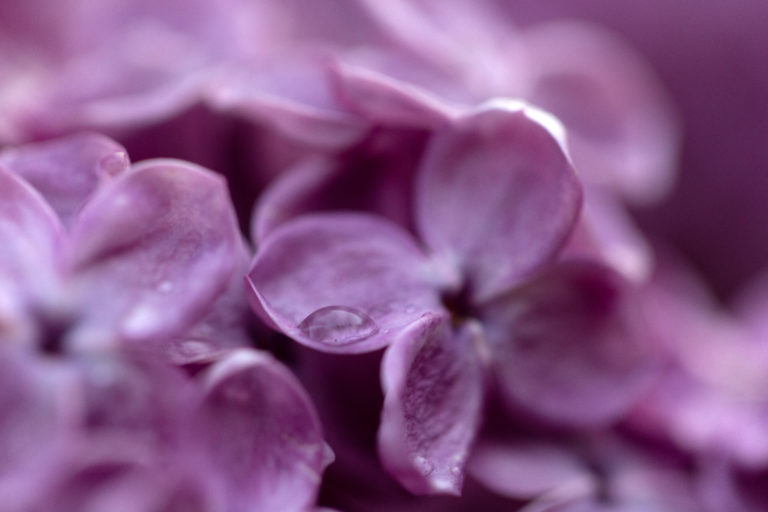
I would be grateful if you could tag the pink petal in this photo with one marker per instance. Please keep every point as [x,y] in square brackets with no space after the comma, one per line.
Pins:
[497,195]
[341,282]
[165,237]
[67,171]
[433,385]
[266,438]
[570,347]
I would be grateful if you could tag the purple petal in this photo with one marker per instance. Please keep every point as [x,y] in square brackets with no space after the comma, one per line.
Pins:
[497,194]
[570,346]
[341,282]
[266,438]
[294,95]
[225,325]
[165,236]
[527,469]
[36,418]
[32,241]
[620,123]
[433,397]
[385,99]
[606,233]
[67,171]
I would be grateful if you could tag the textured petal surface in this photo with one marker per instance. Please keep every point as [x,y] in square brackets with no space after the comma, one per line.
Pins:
[341,282]
[67,171]
[433,398]
[497,194]
[265,435]
[165,235]
[570,347]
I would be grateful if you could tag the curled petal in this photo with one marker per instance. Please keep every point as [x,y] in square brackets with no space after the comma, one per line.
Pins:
[570,347]
[265,435]
[497,194]
[341,282]
[67,171]
[433,397]
[166,236]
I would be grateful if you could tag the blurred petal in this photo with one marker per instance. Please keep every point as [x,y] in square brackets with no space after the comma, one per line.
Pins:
[527,469]
[67,171]
[165,235]
[497,194]
[384,99]
[570,347]
[341,282]
[266,438]
[606,233]
[225,325]
[433,398]
[294,95]
[622,130]
[32,242]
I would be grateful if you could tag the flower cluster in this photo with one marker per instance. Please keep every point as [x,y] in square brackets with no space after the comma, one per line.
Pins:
[315,255]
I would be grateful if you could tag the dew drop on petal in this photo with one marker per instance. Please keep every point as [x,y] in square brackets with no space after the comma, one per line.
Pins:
[338,326]
[115,163]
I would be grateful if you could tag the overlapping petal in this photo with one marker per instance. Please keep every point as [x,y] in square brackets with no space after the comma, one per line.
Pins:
[433,398]
[496,194]
[342,282]
[621,126]
[570,346]
[265,437]
[165,235]
[67,171]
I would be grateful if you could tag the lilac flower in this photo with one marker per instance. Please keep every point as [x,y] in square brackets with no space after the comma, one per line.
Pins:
[97,252]
[113,431]
[495,200]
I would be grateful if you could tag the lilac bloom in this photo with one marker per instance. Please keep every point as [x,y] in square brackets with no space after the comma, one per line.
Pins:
[477,296]
[98,251]
[123,433]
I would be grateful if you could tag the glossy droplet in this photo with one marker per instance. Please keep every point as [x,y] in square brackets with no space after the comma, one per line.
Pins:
[115,163]
[338,325]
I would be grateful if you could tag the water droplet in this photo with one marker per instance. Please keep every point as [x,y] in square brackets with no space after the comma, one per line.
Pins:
[456,469]
[410,308]
[115,163]
[338,326]
[165,287]
[424,466]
